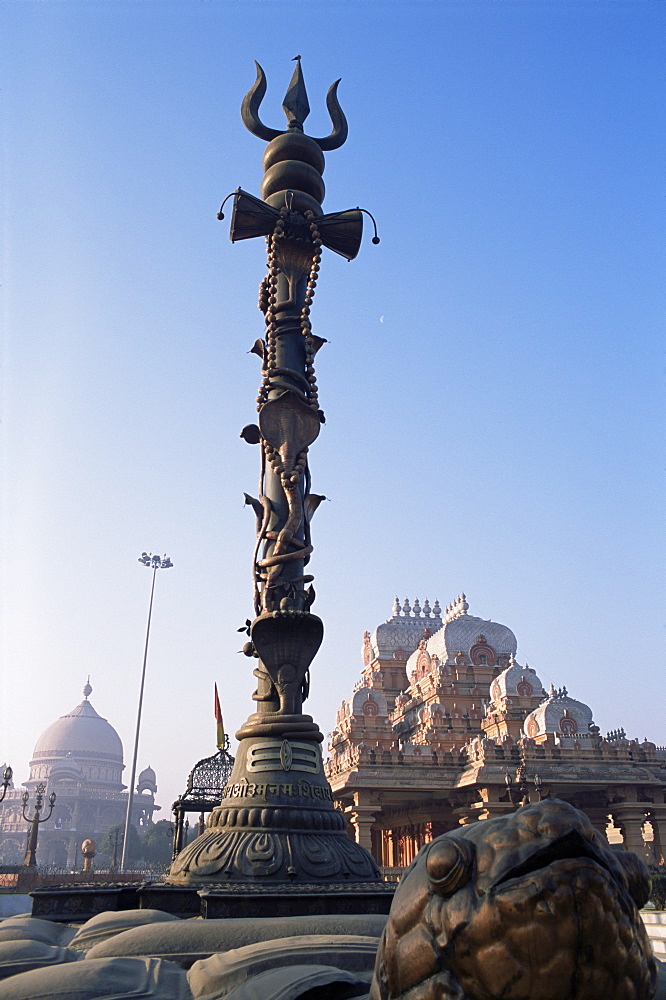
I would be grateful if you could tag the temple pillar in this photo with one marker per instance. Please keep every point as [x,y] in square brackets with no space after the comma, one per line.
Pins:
[383,848]
[658,821]
[362,820]
[630,821]
[394,850]
[598,817]
[413,843]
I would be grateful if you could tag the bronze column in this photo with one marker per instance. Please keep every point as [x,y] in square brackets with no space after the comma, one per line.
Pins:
[277,821]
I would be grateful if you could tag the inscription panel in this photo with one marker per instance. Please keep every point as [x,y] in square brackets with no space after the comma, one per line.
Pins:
[295,789]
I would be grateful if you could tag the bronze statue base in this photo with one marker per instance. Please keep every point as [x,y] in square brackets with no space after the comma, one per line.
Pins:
[276,822]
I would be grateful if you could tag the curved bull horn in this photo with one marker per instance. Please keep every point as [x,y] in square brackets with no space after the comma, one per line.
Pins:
[338,120]
[250,108]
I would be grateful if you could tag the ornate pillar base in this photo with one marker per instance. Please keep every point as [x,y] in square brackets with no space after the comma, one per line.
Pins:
[276,822]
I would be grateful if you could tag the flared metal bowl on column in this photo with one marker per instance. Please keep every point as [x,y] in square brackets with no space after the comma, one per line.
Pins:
[277,823]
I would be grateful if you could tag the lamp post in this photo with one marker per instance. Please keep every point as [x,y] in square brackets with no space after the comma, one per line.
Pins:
[30,859]
[154,563]
[6,781]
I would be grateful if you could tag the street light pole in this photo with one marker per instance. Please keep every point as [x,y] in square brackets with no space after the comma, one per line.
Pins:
[154,563]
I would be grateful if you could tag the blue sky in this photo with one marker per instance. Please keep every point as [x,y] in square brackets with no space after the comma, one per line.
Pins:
[492,383]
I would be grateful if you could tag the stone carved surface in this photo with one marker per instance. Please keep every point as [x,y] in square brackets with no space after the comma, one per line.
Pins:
[223,972]
[111,978]
[263,853]
[24,956]
[187,941]
[530,905]
[276,822]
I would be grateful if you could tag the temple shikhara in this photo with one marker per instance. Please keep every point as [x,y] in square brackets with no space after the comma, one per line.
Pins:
[446,726]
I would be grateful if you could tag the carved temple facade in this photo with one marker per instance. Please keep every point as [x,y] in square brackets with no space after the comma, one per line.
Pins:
[445,727]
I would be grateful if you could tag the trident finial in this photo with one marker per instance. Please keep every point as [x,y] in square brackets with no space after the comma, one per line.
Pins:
[296,108]
[295,104]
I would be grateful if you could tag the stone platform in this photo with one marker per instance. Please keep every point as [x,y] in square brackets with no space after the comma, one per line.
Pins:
[79,903]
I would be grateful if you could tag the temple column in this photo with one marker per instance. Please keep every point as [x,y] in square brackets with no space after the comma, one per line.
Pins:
[383,848]
[598,817]
[395,850]
[658,821]
[407,846]
[631,823]
[362,820]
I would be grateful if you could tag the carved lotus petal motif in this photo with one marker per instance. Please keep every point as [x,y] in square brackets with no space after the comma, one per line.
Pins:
[288,425]
[287,639]
[294,257]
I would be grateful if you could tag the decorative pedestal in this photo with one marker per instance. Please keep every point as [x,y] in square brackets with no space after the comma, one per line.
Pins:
[276,823]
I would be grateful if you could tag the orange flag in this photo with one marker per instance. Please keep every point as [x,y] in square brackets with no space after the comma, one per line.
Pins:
[218,719]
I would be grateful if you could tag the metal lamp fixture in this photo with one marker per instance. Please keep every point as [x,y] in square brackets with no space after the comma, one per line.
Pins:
[30,859]
[154,563]
[6,781]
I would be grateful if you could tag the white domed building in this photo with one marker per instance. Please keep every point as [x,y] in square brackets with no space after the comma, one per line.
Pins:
[80,758]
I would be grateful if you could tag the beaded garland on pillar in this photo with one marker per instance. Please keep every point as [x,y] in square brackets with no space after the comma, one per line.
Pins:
[277,822]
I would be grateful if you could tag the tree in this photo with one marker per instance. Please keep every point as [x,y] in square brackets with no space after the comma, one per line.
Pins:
[134,846]
[658,893]
[158,842]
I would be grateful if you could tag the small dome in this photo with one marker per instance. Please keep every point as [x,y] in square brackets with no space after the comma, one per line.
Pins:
[368,701]
[147,781]
[516,682]
[82,732]
[561,715]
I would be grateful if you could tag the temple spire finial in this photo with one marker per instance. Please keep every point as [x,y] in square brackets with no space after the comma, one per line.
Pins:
[295,105]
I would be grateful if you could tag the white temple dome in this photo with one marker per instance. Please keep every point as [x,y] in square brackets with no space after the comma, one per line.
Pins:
[516,682]
[561,715]
[465,633]
[468,639]
[80,732]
